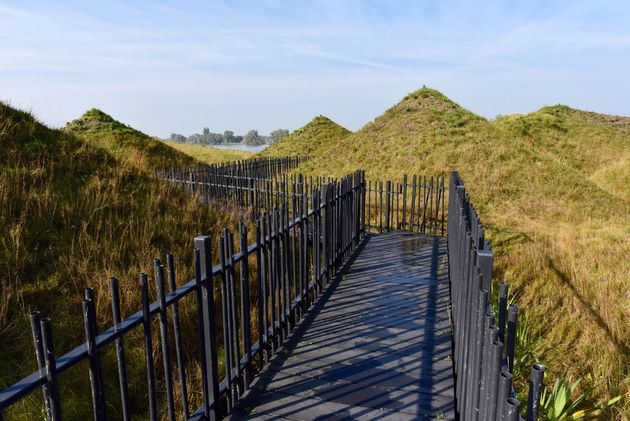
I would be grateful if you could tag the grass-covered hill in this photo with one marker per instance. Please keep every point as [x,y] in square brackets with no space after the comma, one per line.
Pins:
[552,190]
[76,210]
[126,143]
[596,145]
[318,135]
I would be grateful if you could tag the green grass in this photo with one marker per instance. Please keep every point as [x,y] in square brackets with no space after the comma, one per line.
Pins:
[81,204]
[318,134]
[78,207]
[208,154]
[551,188]
[126,143]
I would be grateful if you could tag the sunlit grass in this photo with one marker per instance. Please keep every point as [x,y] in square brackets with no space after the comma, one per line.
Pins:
[552,191]
[208,154]
[77,209]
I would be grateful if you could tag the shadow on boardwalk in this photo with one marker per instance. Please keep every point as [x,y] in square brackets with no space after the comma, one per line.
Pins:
[377,344]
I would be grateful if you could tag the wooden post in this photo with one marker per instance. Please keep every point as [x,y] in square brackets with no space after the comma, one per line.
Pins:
[209,359]
[388,194]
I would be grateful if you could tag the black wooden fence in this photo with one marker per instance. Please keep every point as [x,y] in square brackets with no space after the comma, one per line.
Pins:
[416,204]
[484,346]
[295,259]
[244,169]
[267,286]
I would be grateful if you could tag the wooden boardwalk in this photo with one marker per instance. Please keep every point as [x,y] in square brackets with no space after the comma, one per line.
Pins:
[377,345]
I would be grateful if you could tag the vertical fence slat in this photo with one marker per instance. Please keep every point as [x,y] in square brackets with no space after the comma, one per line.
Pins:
[236,347]
[245,307]
[148,346]
[120,352]
[227,325]
[177,335]
[160,287]
[50,362]
[261,294]
[36,329]
[535,390]
[208,328]
[96,379]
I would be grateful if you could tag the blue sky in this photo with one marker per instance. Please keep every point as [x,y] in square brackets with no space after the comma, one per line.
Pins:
[179,66]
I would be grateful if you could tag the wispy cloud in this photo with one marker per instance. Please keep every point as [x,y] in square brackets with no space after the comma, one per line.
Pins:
[177,66]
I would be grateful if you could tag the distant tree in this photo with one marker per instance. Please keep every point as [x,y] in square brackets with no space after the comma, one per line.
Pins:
[206,131]
[228,136]
[177,137]
[277,135]
[253,138]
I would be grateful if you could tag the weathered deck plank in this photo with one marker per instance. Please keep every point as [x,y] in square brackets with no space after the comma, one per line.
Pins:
[376,346]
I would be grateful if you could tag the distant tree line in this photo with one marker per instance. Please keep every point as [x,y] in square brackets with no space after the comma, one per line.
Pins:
[250,138]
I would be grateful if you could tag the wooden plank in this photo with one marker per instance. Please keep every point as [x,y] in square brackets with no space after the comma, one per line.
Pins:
[377,344]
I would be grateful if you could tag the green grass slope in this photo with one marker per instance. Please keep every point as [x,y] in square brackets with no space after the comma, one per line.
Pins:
[127,143]
[73,214]
[551,187]
[319,134]
[596,145]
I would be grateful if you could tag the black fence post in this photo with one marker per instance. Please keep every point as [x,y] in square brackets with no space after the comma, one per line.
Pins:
[54,413]
[205,281]
[96,379]
[512,410]
[178,341]
[148,345]
[535,390]
[160,287]
[245,311]
[120,352]
[227,324]
[510,343]
[41,358]
[261,295]
[388,198]
[505,391]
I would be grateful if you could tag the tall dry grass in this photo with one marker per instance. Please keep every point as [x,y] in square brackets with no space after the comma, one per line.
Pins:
[72,216]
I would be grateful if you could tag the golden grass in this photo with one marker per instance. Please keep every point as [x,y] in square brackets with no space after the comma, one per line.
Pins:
[551,188]
[208,154]
[75,214]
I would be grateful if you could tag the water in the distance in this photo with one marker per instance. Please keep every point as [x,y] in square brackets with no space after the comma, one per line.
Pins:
[241,147]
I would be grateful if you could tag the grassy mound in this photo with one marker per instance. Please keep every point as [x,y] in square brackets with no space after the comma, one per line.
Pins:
[318,135]
[551,187]
[595,145]
[74,214]
[127,143]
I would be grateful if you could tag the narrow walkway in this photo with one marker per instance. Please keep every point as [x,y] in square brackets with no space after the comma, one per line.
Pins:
[376,346]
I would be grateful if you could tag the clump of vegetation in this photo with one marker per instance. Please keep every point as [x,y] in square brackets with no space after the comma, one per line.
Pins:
[551,187]
[563,402]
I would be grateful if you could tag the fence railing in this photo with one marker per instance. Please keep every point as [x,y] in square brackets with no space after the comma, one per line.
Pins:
[416,204]
[247,168]
[259,304]
[248,303]
[484,339]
